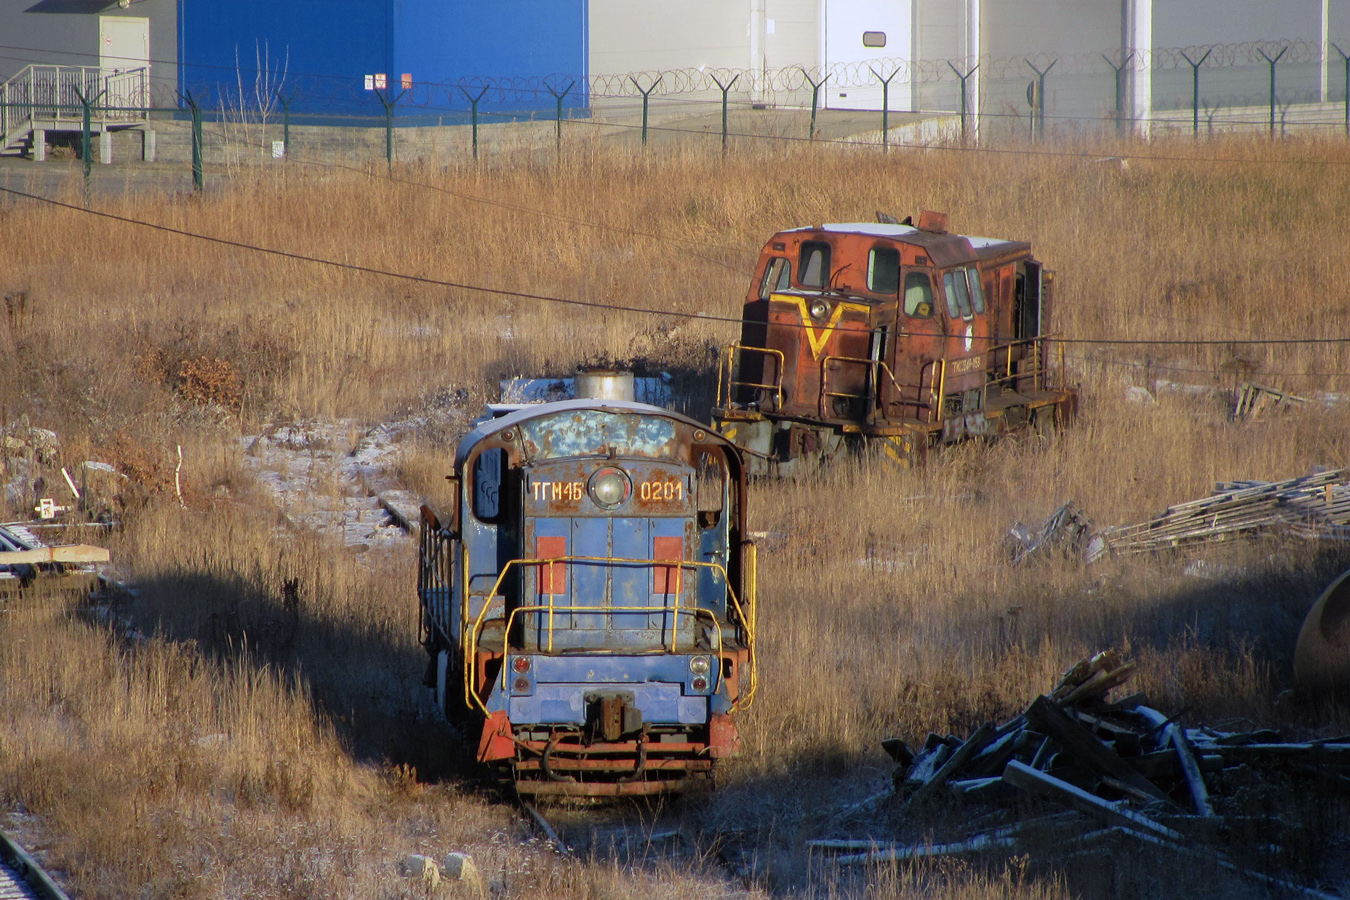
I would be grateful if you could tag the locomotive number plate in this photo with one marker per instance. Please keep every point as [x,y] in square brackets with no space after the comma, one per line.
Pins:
[661,490]
[558,490]
[969,364]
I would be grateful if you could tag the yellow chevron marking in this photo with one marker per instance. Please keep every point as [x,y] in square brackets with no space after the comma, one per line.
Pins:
[818,338]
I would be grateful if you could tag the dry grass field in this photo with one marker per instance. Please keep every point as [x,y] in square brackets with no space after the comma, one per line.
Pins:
[225,736]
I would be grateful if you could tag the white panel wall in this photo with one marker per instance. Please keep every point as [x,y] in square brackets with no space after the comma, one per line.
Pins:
[1080,92]
[654,35]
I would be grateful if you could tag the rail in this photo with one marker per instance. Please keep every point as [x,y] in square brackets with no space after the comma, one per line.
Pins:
[730,360]
[53,96]
[875,365]
[470,634]
[937,381]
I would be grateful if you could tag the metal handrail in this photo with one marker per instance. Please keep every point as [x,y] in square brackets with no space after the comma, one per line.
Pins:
[553,608]
[470,635]
[1037,374]
[874,363]
[731,350]
[52,93]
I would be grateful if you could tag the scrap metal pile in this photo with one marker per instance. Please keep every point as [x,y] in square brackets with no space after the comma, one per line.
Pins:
[1311,506]
[1103,774]
[24,558]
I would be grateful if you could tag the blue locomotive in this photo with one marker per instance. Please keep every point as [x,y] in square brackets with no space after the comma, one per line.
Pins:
[589,603]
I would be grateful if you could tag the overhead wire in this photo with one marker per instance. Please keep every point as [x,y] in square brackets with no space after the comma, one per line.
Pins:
[612,307]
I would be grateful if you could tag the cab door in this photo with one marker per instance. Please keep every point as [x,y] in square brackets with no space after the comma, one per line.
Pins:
[968,334]
[917,347]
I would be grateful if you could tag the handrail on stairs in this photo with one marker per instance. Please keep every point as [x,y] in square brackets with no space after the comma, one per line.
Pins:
[50,95]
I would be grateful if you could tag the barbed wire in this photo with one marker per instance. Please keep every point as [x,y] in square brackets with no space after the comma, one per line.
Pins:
[317,91]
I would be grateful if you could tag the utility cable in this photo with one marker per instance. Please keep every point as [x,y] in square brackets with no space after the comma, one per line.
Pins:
[612,307]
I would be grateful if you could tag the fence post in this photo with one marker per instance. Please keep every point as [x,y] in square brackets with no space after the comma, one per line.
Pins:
[389,127]
[1272,85]
[1038,110]
[645,94]
[963,78]
[815,99]
[885,104]
[473,105]
[1120,89]
[86,148]
[197,180]
[1195,89]
[726,89]
[285,123]
[559,98]
[1346,59]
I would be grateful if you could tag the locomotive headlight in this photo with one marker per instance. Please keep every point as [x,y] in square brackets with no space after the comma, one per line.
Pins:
[820,308]
[699,665]
[700,683]
[609,487]
[521,664]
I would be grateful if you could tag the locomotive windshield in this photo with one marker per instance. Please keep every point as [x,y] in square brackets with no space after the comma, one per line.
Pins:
[883,270]
[813,268]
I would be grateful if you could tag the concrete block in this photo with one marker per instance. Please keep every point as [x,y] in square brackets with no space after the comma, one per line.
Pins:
[39,145]
[149,141]
[105,147]
[460,867]
[423,869]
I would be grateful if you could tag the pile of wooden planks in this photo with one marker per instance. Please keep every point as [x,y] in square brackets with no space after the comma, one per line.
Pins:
[1110,772]
[1316,505]
[1311,506]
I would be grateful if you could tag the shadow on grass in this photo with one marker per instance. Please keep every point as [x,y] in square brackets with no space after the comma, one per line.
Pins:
[365,678]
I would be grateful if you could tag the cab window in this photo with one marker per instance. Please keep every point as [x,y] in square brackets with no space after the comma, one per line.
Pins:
[813,269]
[976,292]
[958,297]
[918,295]
[488,470]
[883,270]
[775,277]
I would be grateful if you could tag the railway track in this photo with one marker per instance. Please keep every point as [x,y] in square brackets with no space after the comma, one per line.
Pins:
[637,834]
[21,878]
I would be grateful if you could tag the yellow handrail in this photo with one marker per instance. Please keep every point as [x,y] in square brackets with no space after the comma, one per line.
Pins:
[875,363]
[573,608]
[777,385]
[469,636]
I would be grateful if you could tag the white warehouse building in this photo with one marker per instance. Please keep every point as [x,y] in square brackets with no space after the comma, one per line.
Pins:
[925,46]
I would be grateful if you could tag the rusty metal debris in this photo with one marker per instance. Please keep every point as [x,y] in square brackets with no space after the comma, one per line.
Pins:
[1066,532]
[1110,772]
[1310,506]
[24,558]
[1321,663]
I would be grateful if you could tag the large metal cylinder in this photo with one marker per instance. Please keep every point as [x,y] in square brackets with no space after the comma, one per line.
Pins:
[1322,655]
[603,384]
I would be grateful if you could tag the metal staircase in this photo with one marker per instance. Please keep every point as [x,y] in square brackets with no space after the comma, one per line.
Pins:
[47,98]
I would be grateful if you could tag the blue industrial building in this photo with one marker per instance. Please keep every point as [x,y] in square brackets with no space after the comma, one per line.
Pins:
[327,50]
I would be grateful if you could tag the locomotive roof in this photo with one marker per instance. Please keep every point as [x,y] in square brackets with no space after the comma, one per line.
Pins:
[945,248]
[542,410]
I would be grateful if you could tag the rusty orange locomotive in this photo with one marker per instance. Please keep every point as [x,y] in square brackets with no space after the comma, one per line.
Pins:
[888,335]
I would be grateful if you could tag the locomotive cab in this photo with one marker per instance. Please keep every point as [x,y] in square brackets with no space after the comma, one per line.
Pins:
[595,605]
[891,334]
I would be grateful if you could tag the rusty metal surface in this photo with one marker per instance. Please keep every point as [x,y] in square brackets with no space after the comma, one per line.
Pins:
[1322,654]
[845,358]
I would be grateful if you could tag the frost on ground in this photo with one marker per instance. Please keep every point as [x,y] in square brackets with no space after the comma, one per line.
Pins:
[332,477]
